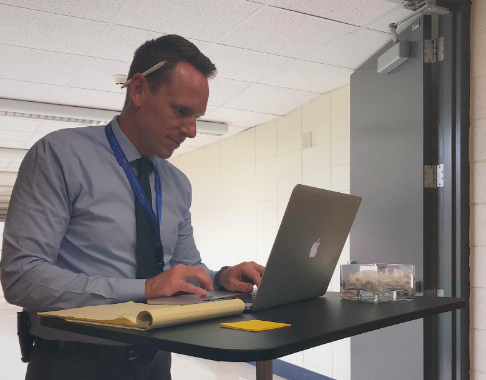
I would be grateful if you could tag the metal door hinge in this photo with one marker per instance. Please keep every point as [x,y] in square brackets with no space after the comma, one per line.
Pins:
[434,50]
[433,176]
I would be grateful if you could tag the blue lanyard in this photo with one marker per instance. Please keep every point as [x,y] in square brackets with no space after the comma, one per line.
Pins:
[140,194]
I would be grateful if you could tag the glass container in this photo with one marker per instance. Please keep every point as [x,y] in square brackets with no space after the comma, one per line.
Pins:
[378,282]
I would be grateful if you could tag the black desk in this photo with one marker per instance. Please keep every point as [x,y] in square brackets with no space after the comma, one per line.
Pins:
[314,322]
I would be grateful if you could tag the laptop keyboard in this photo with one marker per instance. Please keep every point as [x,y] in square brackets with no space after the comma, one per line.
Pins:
[245,297]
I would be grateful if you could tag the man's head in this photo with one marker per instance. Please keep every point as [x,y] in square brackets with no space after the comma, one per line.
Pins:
[161,109]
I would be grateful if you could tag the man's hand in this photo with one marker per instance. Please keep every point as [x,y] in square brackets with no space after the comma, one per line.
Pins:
[242,277]
[174,280]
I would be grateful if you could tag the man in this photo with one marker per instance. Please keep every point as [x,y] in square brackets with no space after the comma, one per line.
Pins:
[80,232]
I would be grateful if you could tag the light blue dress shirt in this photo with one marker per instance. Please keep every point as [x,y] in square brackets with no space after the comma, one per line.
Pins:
[70,235]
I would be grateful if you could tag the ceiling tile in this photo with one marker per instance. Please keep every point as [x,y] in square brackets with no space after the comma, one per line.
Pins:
[238,118]
[209,109]
[4,165]
[11,144]
[37,66]
[286,33]
[199,141]
[352,50]
[14,165]
[310,76]
[18,124]
[205,20]
[7,179]
[96,75]
[33,139]
[47,31]
[232,130]
[269,99]
[51,126]
[394,16]
[15,135]
[222,90]
[36,92]
[101,10]
[120,42]
[245,65]
[340,10]
[201,45]
[93,99]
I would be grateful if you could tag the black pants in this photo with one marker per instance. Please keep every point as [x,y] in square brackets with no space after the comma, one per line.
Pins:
[51,364]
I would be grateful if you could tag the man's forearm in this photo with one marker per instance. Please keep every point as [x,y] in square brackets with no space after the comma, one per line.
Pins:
[38,285]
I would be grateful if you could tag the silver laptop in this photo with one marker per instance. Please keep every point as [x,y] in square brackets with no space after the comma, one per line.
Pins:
[306,250]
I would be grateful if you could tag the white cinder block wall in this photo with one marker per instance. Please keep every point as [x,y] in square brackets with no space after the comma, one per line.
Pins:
[241,186]
[478,192]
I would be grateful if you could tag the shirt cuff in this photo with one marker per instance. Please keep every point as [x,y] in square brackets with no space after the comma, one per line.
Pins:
[130,290]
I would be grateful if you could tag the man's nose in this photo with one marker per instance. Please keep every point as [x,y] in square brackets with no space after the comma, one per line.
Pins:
[189,129]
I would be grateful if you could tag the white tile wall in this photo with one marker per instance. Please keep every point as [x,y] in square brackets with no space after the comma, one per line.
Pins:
[266,129]
[266,169]
[241,187]
[267,190]
[318,178]
[246,153]
[340,151]
[289,140]
[317,157]
[477,193]
[266,147]
[289,163]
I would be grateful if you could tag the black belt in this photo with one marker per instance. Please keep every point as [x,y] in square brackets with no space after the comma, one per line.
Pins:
[104,352]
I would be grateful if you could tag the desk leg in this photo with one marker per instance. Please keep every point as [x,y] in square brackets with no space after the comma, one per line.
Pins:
[264,370]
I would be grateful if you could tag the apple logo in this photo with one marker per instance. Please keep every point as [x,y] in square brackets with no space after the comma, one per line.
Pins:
[314,247]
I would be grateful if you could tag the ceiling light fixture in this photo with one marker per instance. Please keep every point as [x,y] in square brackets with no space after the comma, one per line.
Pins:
[84,116]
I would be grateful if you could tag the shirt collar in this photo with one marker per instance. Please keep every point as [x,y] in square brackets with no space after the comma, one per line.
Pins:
[128,148]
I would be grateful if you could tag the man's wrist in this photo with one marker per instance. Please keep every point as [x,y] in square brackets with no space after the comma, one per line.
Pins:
[217,276]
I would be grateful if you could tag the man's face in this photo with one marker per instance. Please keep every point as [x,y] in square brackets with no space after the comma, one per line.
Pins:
[168,117]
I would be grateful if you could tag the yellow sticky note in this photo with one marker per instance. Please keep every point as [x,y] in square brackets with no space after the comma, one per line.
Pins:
[254,325]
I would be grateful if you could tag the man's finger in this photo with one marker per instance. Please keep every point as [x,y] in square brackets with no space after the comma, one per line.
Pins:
[199,274]
[253,275]
[245,287]
[259,268]
[189,288]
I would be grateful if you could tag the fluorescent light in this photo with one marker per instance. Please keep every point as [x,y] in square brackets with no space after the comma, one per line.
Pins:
[48,111]
[81,115]
[210,128]
[12,152]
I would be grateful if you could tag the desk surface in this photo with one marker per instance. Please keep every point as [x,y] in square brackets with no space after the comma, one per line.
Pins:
[314,322]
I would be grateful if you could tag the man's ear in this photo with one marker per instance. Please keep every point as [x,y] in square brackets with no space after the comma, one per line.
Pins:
[137,86]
